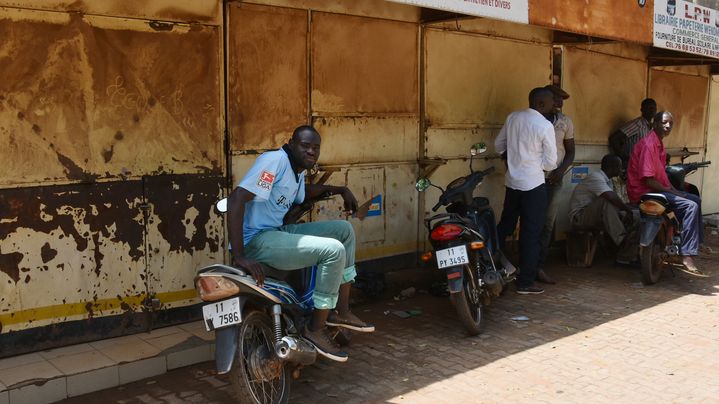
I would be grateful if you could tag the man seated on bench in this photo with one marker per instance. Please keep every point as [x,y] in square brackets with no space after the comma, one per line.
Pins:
[595,206]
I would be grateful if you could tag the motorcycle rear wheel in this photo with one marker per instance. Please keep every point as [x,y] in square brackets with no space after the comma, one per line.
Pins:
[652,259]
[257,376]
[469,307]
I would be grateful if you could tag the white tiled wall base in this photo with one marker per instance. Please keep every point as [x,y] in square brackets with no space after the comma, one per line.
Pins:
[84,368]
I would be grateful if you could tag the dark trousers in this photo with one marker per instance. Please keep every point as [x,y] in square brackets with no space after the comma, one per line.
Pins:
[531,207]
[689,212]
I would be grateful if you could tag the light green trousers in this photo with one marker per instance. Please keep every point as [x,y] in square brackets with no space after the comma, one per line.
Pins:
[329,244]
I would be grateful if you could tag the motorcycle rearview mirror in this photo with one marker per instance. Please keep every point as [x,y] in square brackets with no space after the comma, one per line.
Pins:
[422,184]
[477,148]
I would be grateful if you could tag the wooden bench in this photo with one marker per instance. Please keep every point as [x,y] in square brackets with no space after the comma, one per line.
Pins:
[581,244]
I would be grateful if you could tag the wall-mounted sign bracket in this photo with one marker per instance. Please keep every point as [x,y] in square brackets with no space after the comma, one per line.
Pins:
[427,167]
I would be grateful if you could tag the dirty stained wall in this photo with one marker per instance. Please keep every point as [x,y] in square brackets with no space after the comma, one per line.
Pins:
[367,8]
[595,107]
[627,21]
[686,96]
[81,95]
[355,78]
[477,73]
[204,11]
[112,162]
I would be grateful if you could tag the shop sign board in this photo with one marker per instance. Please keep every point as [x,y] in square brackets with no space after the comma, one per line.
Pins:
[509,10]
[685,26]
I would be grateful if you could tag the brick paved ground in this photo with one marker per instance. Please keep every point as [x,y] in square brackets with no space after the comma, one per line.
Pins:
[597,336]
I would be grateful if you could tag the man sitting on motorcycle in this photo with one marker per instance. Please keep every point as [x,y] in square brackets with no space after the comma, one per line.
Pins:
[647,173]
[256,209]
[595,205]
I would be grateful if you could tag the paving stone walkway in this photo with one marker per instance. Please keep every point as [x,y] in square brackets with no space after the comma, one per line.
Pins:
[596,336]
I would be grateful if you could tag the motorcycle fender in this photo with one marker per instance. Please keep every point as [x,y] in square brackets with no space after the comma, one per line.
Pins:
[455,276]
[226,340]
[226,347]
[648,229]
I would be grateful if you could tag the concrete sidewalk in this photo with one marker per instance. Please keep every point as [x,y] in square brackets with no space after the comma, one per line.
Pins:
[48,376]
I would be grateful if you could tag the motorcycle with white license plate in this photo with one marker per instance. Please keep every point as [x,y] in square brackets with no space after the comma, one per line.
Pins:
[257,328]
[659,228]
[464,242]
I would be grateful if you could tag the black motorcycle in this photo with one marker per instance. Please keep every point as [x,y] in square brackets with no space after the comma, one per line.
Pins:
[659,227]
[257,328]
[677,174]
[464,242]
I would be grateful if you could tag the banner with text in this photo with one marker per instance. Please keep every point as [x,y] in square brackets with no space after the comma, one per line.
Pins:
[510,10]
[691,27]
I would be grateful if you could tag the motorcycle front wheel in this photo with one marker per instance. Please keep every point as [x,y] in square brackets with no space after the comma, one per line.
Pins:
[652,259]
[468,304]
[258,376]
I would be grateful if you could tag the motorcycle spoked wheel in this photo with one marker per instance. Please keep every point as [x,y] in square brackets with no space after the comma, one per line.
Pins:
[468,304]
[258,376]
[652,259]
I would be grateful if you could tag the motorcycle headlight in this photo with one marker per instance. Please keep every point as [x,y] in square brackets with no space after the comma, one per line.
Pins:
[215,287]
[652,208]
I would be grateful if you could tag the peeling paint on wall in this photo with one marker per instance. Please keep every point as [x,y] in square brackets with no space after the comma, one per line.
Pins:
[66,244]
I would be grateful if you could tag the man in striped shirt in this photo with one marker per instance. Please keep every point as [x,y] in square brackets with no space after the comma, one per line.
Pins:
[623,140]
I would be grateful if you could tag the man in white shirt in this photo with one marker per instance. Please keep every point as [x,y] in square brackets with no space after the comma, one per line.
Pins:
[528,140]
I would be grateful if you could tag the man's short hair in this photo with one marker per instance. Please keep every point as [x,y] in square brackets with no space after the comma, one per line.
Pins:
[538,93]
[304,128]
[648,101]
[607,160]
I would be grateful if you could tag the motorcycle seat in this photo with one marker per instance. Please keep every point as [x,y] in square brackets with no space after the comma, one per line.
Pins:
[661,198]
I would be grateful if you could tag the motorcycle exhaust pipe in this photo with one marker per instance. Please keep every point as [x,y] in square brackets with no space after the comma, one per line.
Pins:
[297,350]
[493,283]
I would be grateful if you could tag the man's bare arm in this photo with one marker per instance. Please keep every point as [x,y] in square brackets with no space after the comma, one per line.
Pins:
[315,190]
[236,217]
[615,200]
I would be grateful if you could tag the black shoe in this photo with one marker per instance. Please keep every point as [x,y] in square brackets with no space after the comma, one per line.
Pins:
[324,344]
[530,290]
[350,322]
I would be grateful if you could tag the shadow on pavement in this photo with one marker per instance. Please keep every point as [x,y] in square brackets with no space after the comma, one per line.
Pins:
[412,353]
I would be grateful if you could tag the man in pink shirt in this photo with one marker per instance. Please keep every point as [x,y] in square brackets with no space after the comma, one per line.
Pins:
[647,173]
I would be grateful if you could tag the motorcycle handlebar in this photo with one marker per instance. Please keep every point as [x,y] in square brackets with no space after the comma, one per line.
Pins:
[482,174]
